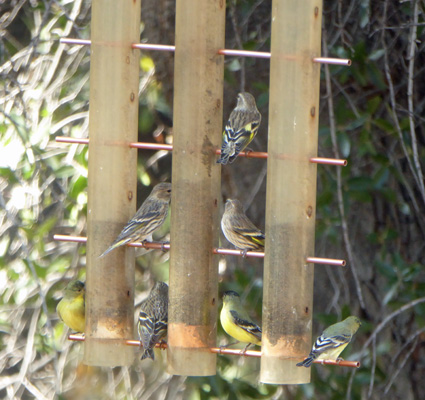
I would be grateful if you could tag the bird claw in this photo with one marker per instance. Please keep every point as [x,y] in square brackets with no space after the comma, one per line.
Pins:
[247,152]
[162,246]
[243,253]
[243,352]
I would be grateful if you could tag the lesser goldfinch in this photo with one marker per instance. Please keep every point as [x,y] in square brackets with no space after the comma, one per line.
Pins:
[71,309]
[148,218]
[332,341]
[153,318]
[239,230]
[240,129]
[236,322]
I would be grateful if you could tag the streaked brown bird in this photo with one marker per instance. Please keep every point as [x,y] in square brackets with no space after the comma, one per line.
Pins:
[148,218]
[153,318]
[240,129]
[239,230]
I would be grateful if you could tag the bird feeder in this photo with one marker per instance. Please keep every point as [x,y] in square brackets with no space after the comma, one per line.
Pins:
[112,178]
[291,190]
[198,98]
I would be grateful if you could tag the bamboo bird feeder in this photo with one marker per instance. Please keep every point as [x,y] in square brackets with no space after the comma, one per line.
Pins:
[291,186]
[112,180]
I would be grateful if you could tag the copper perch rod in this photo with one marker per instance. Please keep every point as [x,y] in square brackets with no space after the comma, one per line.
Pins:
[83,239]
[330,161]
[230,252]
[328,261]
[166,246]
[233,352]
[169,147]
[224,52]
[260,254]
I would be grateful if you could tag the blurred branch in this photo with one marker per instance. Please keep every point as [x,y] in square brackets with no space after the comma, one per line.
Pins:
[239,43]
[332,128]
[413,338]
[410,81]
[377,330]
[394,108]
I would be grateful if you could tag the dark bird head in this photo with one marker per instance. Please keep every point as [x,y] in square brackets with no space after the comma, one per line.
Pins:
[230,295]
[162,191]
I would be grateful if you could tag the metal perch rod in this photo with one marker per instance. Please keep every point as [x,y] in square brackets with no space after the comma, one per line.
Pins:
[233,352]
[224,52]
[166,246]
[169,147]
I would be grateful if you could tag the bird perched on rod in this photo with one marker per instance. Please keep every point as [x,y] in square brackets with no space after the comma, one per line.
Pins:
[240,129]
[148,218]
[71,309]
[236,322]
[239,230]
[332,341]
[153,318]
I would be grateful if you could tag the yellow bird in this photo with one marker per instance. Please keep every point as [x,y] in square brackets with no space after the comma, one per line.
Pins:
[71,309]
[330,344]
[236,322]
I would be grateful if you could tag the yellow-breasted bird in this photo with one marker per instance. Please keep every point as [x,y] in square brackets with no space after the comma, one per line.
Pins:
[153,318]
[236,322]
[148,218]
[240,129]
[239,230]
[71,309]
[332,341]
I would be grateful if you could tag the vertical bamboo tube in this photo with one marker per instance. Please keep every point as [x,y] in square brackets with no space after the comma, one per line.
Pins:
[198,95]
[114,82]
[291,190]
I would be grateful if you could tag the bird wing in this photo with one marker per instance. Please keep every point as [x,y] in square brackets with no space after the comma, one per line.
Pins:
[252,232]
[247,326]
[325,343]
[146,328]
[243,136]
[243,226]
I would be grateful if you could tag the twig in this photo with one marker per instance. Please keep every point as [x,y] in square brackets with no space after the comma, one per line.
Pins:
[412,338]
[377,330]
[332,128]
[394,103]
[410,80]
[238,40]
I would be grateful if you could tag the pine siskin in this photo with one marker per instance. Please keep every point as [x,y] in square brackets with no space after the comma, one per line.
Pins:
[239,230]
[153,318]
[236,322]
[240,129]
[148,218]
[71,309]
[333,341]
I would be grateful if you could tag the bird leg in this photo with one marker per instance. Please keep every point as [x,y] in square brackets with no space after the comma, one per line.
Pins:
[243,352]
[227,345]
[243,253]
[162,246]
